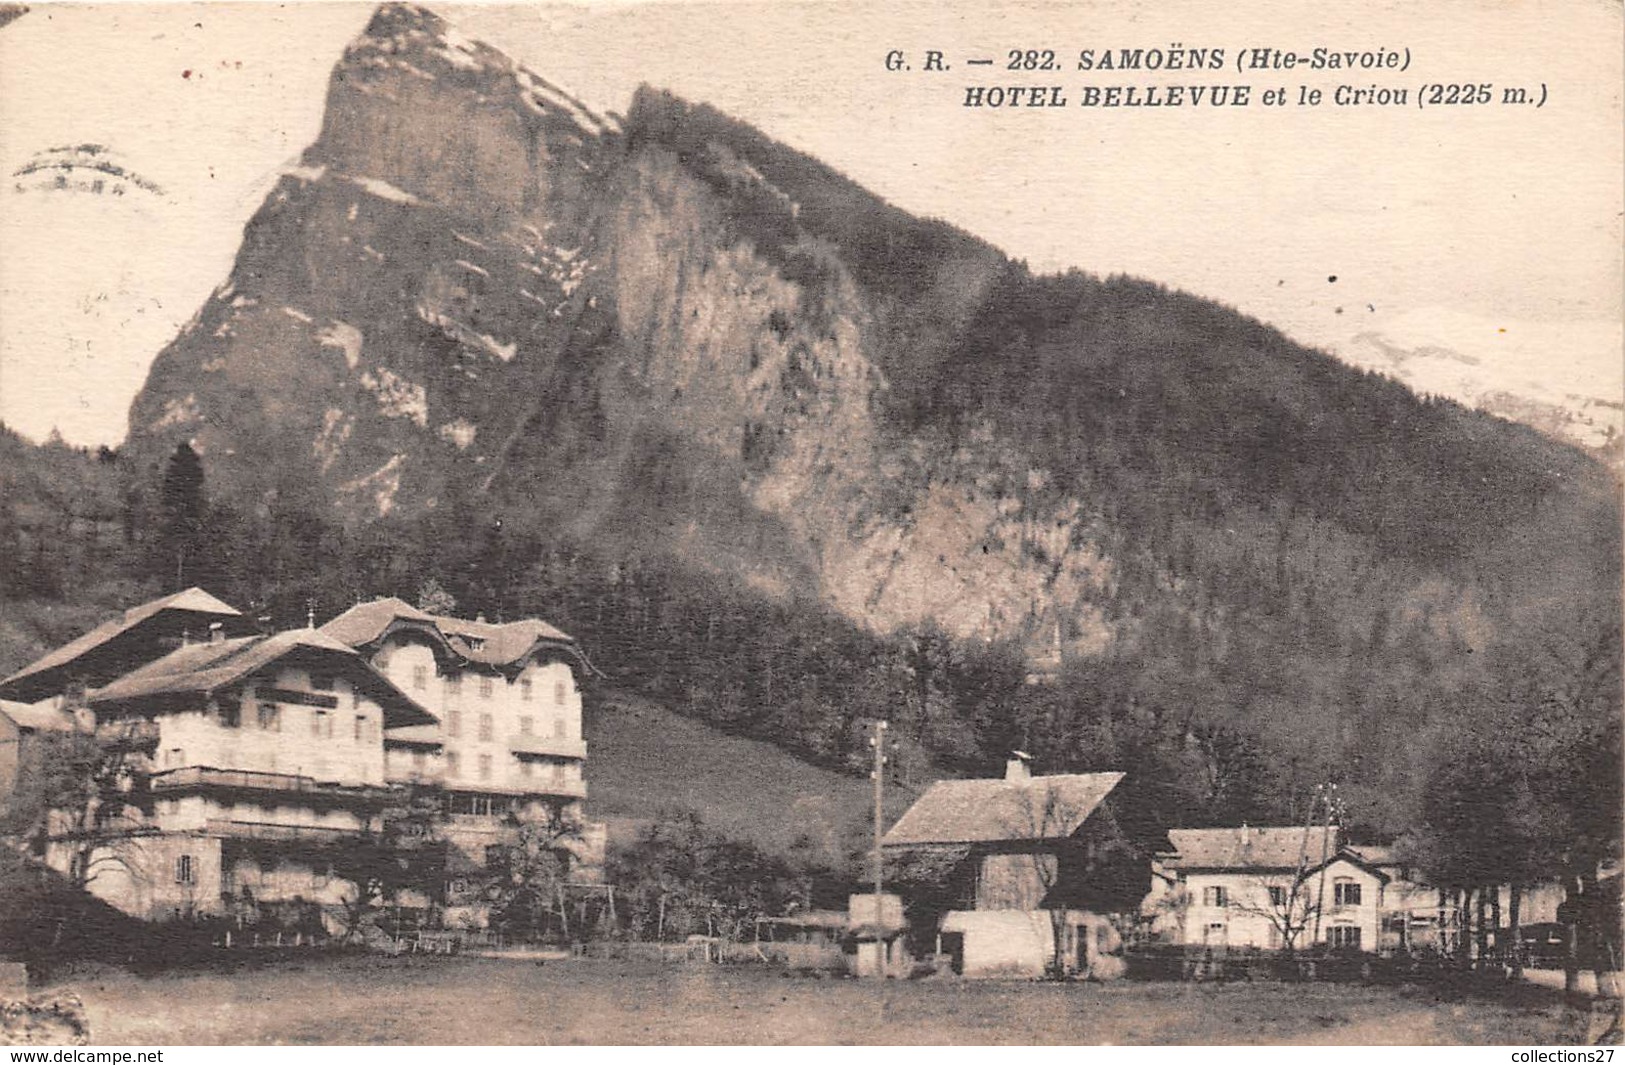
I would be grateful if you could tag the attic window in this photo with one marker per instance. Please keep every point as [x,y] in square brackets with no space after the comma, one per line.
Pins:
[474,642]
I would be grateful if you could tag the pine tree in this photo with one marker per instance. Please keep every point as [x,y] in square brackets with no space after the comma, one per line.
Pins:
[182,501]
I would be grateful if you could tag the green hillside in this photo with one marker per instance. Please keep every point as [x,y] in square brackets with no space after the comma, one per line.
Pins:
[644,759]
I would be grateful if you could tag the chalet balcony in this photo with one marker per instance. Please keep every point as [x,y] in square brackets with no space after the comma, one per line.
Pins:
[414,777]
[132,734]
[571,789]
[205,778]
[551,746]
[268,832]
[541,785]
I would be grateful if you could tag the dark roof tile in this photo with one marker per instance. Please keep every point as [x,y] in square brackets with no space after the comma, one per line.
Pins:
[986,811]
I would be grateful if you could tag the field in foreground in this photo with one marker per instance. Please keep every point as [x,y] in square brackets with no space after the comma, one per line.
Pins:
[473,1001]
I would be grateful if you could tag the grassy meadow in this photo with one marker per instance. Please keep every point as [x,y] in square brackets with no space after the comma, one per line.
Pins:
[481,1001]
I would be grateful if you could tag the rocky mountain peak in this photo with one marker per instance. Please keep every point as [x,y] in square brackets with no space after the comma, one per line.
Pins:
[413,41]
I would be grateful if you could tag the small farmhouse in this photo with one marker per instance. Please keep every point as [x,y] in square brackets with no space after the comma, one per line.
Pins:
[1014,876]
[1275,888]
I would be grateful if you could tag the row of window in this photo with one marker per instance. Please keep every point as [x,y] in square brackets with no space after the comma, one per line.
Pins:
[186,870]
[268,718]
[1338,936]
[484,766]
[487,726]
[481,805]
[485,805]
[454,685]
[1344,893]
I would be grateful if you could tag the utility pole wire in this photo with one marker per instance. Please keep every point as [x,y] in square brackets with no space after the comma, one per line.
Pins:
[878,742]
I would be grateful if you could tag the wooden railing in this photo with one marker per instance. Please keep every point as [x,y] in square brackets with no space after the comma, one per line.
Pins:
[556,746]
[255,780]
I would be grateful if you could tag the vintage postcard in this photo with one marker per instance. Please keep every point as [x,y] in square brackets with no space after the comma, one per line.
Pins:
[1090,522]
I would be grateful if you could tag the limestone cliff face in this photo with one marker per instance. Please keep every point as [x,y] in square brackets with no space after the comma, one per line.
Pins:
[470,268]
[772,366]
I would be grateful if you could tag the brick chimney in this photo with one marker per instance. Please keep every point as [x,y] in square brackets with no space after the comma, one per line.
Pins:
[1015,771]
[217,632]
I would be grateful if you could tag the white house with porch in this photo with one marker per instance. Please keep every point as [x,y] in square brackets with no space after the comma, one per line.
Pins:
[1272,888]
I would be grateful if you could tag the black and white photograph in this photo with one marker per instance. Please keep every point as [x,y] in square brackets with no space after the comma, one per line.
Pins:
[683,522]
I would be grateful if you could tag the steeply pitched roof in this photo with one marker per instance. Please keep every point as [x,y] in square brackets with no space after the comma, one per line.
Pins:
[473,641]
[1246,847]
[37,717]
[191,601]
[989,811]
[365,622]
[207,667]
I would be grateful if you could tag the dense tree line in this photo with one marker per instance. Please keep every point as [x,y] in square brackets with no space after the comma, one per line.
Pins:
[680,877]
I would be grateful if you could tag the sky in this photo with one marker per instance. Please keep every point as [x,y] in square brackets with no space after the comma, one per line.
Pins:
[1487,237]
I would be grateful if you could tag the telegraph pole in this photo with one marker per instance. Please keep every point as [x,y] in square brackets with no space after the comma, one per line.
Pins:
[1331,801]
[878,742]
